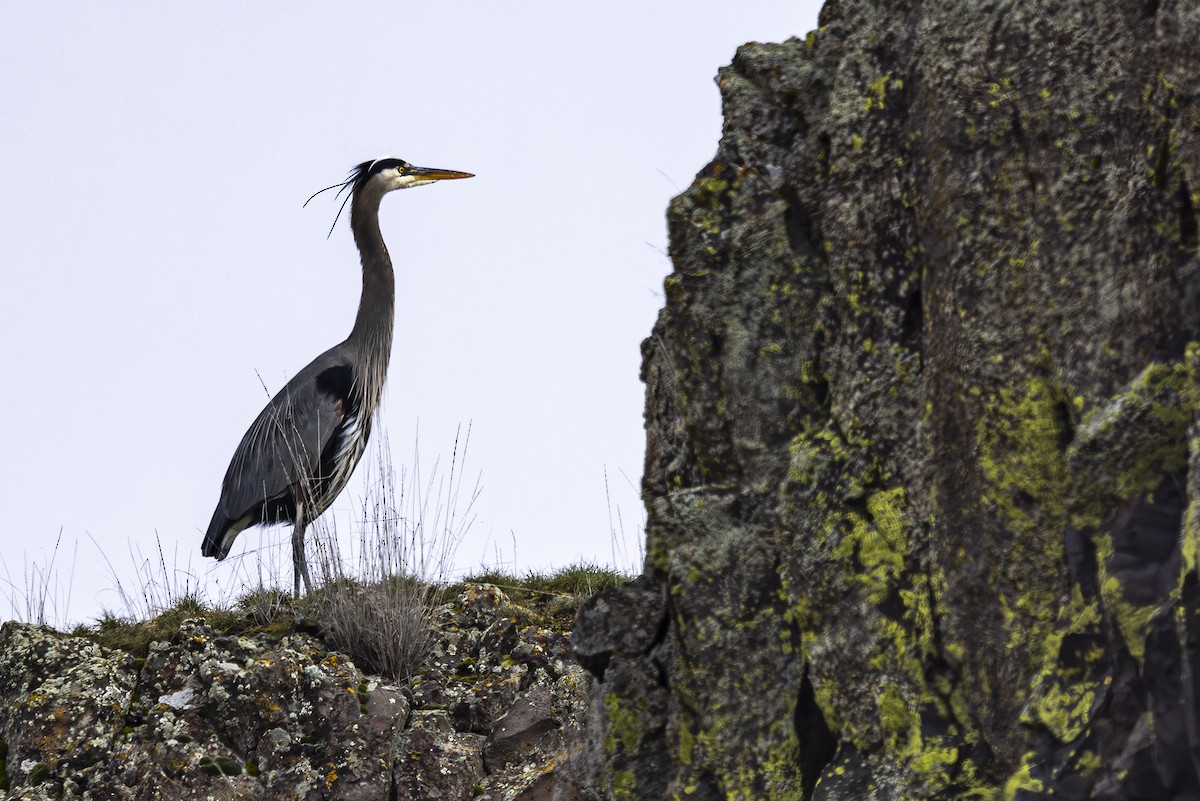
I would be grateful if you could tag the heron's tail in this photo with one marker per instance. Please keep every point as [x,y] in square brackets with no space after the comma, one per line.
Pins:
[221,534]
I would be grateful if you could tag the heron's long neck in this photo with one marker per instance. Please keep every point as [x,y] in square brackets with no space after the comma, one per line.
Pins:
[372,333]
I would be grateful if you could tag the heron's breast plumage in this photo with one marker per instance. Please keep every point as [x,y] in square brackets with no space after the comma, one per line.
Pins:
[346,449]
[349,440]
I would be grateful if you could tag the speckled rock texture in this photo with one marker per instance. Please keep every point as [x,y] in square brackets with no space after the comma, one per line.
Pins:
[922,466]
[495,711]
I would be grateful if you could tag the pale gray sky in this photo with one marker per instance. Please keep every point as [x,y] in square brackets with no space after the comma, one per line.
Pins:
[155,259]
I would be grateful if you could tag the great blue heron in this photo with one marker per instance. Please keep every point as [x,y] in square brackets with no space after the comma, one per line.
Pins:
[300,451]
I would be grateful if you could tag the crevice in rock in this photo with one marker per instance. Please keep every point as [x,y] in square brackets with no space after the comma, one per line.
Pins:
[1187,218]
[1081,562]
[1065,413]
[913,322]
[817,743]
[803,233]
[1162,162]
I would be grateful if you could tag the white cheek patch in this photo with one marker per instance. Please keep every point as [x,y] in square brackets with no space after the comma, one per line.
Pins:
[406,181]
[392,179]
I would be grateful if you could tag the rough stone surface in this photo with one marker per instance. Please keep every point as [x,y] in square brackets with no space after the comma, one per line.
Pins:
[527,725]
[259,716]
[922,467]
[64,702]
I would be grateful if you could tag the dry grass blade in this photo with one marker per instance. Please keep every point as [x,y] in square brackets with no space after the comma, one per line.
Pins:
[41,589]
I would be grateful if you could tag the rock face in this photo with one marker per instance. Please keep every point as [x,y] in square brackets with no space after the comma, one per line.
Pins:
[210,716]
[922,467]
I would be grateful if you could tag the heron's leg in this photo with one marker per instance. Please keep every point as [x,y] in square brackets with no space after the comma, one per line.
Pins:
[299,563]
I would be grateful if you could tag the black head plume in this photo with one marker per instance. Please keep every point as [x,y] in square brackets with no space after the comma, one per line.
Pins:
[358,176]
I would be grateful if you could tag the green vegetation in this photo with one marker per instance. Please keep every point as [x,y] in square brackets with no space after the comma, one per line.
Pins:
[549,599]
[222,766]
[553,598]
[135,637]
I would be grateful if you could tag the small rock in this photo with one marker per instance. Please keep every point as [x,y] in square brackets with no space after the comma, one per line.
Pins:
[434,761]
[598,635]
[522,729]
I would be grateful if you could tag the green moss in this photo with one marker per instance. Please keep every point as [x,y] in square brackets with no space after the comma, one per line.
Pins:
[870,531]
[1143,434]
[135,636]
[624,785]
[1062,698]
[898,721]
[770,349]
[687,743]
[624,725]
[712,187]
[936,761]
[38,774]
[548,599]
[1133,620]
[1021,453]
[1022,779]
[1127,447]
[879,542]
[828,468]
[776,777]
[696,747]
[220,766]
[1023,461]
[876,93]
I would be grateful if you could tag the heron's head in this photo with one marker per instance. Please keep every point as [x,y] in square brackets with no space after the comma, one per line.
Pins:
[389,174]
[371,180]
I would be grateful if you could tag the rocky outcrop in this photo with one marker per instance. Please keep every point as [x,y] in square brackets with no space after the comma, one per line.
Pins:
[922,468]
[205,715]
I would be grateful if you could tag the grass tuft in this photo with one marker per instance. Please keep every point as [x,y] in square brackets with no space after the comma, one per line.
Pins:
[135,636]
[375,600]
[553,597]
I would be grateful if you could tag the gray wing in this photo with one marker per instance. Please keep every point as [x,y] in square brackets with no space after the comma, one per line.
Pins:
[282,449]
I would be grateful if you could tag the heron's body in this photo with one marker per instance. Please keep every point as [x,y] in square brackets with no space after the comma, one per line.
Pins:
[301,450]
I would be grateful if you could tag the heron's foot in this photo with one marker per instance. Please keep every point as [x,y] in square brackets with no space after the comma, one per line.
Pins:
[300,572]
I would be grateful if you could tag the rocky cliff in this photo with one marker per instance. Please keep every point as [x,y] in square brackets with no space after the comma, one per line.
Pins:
[922,468]
[490,715]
